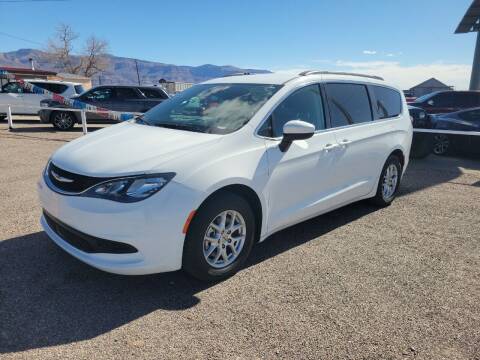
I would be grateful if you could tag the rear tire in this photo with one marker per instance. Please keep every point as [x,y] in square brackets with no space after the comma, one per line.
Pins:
[389,182]
[220,238]
[63,120]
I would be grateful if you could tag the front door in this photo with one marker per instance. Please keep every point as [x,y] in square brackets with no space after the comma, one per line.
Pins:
[101,97]
[13,95]
[300,179]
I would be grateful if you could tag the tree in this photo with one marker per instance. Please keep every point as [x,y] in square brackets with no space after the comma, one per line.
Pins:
[91,61]
[94,61]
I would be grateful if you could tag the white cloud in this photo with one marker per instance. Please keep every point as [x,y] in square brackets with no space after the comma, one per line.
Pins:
[369,52]
[404,76]
[457,75]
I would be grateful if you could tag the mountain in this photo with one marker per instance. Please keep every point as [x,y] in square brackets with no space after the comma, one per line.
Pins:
[122,70]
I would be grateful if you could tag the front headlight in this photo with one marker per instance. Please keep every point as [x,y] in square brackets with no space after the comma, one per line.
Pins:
[130,189]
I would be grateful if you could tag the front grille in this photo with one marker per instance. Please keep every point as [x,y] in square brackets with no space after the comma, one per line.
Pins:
[84,242]
[69,182]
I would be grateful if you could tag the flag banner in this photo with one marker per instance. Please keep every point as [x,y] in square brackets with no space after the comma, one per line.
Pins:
[72,103]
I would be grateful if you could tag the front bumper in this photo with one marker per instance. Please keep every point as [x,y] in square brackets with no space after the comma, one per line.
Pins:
[152,226]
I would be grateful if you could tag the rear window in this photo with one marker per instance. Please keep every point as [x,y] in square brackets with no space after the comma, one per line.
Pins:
[79,89]
[388,102]
[349,104]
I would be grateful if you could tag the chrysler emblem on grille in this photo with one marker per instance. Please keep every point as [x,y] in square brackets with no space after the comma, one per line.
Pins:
[60,178]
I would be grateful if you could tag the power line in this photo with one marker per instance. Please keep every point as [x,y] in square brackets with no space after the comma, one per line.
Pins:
[22,1]
[20,38]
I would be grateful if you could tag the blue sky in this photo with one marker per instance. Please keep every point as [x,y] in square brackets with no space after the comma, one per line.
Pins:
[386,36]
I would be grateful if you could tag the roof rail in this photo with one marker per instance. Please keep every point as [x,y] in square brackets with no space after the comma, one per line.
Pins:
[238,74]
[317,72]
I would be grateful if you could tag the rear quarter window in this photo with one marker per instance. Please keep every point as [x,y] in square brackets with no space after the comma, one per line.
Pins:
[388,102]
[79,89]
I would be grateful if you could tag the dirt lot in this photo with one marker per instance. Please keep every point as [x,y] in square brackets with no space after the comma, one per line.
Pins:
[359,283]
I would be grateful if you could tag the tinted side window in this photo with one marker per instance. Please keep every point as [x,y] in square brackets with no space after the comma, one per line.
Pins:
[126,93]
[466,99]
[58,88]
[304,104]
[472,115]
[349,104]
[55,88]
[13,88]
[102,94]
[153,93]
[442,100]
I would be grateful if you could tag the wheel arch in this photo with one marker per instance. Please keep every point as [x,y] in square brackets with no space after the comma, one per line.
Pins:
[247,193]
[400,154]
[73,113]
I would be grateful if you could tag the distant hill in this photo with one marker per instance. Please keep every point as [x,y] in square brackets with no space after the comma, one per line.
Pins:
[122,70]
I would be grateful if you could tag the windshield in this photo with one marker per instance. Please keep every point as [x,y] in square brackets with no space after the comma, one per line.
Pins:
[424,98]
[210,108]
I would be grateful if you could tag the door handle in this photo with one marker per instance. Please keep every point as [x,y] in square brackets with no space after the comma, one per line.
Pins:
[345,142]
[329,147]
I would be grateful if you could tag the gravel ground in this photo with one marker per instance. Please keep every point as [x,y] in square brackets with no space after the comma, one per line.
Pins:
[358,283]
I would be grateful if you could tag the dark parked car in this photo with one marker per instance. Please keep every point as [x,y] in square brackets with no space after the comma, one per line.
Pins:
[465,120]
[422,143]
[447,101]
[118,98]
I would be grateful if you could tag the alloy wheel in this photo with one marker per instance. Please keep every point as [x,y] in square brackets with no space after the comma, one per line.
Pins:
[63,121]
[390,181]
[224,239]
[442,143]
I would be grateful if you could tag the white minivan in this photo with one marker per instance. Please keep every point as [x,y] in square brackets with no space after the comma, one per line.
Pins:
[200,178]
[24,102]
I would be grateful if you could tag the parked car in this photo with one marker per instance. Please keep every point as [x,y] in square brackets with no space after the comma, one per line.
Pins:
[24,102]
[197,180]
[465,120]
[422,143]
[447,101]
[112,97]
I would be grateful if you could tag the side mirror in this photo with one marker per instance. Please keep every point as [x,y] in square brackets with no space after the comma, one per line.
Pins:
[295,130]
[430,102]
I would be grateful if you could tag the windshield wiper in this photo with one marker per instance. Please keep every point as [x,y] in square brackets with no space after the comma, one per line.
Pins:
[141,120]
[187,127]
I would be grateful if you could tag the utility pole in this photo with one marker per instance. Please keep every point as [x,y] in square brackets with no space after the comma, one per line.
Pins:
[471,23]
[138,75]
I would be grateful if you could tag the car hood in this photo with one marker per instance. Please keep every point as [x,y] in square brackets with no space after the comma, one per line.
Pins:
[129,148]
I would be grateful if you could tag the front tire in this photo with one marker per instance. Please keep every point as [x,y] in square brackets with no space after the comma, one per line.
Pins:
[63,120]
[389,182]
[220,238]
